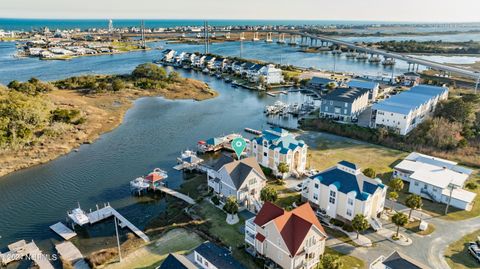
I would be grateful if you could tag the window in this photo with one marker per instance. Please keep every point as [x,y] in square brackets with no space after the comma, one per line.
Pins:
[331,102]
[265,154]
[332,194]
[331,200]
[346,105]
[316,185]
[206,263]
[344,111]
[434,189]
[416,183]
[252,181]
[350,201]
[326,108]
[199,259]
[315,196]
[349,212]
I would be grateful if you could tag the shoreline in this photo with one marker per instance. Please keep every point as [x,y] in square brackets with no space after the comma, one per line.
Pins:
[104,113]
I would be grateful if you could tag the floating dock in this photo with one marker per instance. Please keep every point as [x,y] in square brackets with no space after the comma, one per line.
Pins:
[20,249]
[63,231]
[70,253]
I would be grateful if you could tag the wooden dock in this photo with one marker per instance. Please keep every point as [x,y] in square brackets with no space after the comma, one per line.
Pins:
[21,249]
[69,252]
[63,231]
[108,211]
[177,194]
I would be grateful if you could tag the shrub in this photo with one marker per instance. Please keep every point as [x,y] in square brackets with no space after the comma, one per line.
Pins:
[215,200]
[337,222]
[471,186]
[347,227]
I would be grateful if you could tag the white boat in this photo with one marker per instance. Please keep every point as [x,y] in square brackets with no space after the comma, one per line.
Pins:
[78,216]
[139,183]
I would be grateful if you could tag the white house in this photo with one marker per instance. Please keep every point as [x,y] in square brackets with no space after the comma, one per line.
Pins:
[168,55]
[271,74]
[242,179]
[211,256]
[436,179]
[199,60]
[277,146]
[405,111]
[343,191]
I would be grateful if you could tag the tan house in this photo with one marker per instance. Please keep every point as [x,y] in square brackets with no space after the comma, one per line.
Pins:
[343,191]
[277,146]
[242,179]
[291,239]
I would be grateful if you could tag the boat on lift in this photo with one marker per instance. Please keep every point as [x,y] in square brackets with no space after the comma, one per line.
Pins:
[79,216]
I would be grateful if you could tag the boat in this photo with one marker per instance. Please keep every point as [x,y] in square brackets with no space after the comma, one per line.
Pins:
[219,76]
[362,57]
[388,62]
[351,55]
[139,184]
[375,59]
[228,80]
[79,216]
[206,70]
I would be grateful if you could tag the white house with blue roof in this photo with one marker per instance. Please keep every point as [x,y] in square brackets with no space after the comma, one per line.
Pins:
[405,111]
[343,191]
[277,146]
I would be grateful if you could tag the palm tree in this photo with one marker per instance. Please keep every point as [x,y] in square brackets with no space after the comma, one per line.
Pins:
[393,196]
[399,219]
[413,202]
[359,224]
[283,168]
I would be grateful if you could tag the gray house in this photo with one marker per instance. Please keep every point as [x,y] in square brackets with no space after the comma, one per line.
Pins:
[344,104]
[371,86]
[320,83]
[243,179]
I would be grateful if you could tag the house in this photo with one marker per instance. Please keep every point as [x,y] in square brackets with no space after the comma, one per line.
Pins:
[168,55]
[397,260]
[344,104]
[277,146]
[320,83]
[219,64]
[243,179]
[253,73]
[291,239]
[343,191]
[199,60]
[211,256]
[406,110]
[271,74]
[371,86]
[246,68]
[436,179]
[208,61]
[176,261]
[410,79]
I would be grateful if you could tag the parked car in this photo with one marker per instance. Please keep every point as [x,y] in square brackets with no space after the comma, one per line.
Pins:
[299,186]
[321,213]
[474,250]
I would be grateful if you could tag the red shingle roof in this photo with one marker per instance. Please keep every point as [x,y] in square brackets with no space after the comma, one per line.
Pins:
[293,225]
[260,237]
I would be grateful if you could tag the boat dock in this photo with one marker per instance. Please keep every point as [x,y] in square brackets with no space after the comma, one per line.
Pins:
[253,131]
[21,249]
[70,253]
[63,231]
[217,143]
[177,194]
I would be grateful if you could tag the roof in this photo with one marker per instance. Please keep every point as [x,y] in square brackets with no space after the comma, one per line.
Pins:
[214,141]
[345,94]
[407,101]
[320,80]
[362,84]
[224,159]
[218,256]
[346,181]
[292,225]
[260,237]
[281,139]
[411,74]
[397,260]
[461,195]
[434,171]
[175,261]
[239,170]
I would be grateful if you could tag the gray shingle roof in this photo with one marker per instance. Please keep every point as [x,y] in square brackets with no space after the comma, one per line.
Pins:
[345,94]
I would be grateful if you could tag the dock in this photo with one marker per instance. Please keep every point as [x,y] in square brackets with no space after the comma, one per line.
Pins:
[63,231]
[70,253]
[21,249]
[177,194]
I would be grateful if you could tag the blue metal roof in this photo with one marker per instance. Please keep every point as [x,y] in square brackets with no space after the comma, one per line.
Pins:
[361,84]
[348,164]
[218,256]
[285,141]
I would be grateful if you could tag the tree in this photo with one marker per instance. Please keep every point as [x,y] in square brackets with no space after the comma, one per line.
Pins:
[118,85]
[393,196]
[283,168]
[413,202]
[396,184]
[268,194]
[399,219]
[173,76]
[370,172]
[231,206]
[359,223]
[150,71]
[330,261]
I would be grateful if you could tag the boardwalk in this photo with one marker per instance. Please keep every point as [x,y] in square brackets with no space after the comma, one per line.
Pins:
[107,211]
[63,231]
[177,194]
[21,249]
[70,253]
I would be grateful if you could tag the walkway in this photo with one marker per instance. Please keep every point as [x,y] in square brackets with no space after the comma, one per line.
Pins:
[21,249]
[177,194]
[70,253]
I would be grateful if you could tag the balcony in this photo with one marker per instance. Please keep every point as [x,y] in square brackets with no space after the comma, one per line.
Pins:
[250,238]
[249,225]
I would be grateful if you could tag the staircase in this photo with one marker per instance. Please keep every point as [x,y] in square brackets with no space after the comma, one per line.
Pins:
[375,223]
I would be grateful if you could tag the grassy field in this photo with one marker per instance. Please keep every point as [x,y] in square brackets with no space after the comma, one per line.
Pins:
[348,262]
[152,255]
[457,254]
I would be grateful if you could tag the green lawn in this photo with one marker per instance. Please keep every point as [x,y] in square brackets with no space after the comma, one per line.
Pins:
[457,254]
[286,196]
[348,262]
[152,255]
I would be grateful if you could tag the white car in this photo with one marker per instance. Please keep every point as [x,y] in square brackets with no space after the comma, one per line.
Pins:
[299,186]
[474,250]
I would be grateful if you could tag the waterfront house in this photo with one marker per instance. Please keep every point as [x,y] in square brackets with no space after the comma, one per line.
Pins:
[277,146]
[271,74]
[253,73]
[177,261]
[397,260]
[211,256]
[436,179]
[410,79]
[371,86]
[219,63]
[208,61]
[245,67]
[406,110]
[199,60]
[343,191]
[168,55]
[291,239]
[320,83]
[344,104]
[242,179]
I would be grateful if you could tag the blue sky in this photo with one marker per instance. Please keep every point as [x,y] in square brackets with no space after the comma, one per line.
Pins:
[379,10]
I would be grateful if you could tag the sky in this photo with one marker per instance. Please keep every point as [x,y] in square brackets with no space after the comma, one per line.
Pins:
[365,10]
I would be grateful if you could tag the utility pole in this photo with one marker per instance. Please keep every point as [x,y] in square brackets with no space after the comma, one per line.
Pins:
[118,240]
[205,32]
[476,84]
[451,187]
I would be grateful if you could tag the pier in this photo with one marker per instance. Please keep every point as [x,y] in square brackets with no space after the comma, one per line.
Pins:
[63,231]
[21,249]
[70,253]
[177,195]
